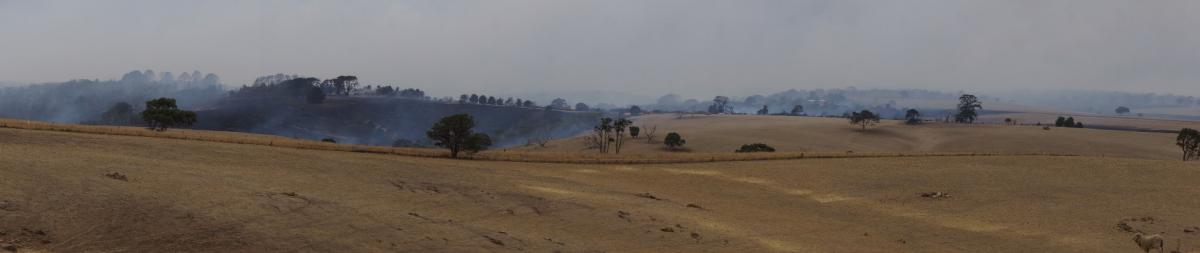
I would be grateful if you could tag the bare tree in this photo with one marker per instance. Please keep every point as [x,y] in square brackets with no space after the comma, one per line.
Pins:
[650,133]
[539,140]
[592,142]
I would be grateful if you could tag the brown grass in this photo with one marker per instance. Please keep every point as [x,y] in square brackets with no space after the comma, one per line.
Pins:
[512,155]
[835,136]
[196,196]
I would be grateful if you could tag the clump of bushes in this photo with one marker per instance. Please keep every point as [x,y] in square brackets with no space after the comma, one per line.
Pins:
[674,141]
[1068,122]
[756,147]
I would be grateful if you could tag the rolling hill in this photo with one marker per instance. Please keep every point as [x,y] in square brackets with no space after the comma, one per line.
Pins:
[68,192]
[725,133]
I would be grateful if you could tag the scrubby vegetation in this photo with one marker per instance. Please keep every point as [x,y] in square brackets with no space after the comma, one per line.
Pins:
[1068,122]
[756,147]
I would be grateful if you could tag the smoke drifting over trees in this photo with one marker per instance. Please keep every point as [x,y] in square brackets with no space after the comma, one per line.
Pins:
[86,100]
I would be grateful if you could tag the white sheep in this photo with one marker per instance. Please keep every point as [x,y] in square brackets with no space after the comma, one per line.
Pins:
[1148,242]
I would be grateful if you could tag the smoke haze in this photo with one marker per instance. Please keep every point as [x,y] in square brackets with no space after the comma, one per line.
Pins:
[694,48]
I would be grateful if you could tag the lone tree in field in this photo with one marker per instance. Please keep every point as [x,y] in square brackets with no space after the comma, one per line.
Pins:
[634,131]
[864,118]
[454,132]
[912,116]
[1189,142]
[967,104]
[651,133]
[674,141]
[162,113]
[1122,110]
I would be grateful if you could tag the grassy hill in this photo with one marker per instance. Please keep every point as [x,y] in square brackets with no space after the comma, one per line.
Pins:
[725,133]
[59,194]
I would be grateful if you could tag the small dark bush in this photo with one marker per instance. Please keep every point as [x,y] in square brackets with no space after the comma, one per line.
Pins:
[756,147]
[329,140]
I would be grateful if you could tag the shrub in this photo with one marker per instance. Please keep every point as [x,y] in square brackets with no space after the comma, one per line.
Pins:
[329,140]
[756,147]
[674,141]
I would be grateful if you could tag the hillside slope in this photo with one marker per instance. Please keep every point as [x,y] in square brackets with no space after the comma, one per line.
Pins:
[188,196]
[381,121]
[725,133]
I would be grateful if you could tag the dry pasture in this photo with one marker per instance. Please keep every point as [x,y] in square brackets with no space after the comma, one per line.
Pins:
[194,196]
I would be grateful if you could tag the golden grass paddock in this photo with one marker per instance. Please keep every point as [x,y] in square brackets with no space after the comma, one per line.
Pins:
[59,192]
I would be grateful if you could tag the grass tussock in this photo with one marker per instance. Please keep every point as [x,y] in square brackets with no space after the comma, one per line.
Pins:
[491,155]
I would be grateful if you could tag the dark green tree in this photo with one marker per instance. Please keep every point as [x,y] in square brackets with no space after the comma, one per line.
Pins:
[912,116]
[635,110]
[634,131]
[1070,122]
[454,133]
[863,119]
[162,113]
[1060,121]
[764,110]
[967,104]
[674,141]
[1189,142]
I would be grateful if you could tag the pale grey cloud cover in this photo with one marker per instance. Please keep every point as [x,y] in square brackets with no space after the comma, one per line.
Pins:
[692,47]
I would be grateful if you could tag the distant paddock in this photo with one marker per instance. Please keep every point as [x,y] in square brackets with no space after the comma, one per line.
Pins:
[491,155]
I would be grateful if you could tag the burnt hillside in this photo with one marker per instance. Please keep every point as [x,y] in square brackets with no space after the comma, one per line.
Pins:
[381,121]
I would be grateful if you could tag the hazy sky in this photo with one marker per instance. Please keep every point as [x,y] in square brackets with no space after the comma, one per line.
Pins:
[692,47]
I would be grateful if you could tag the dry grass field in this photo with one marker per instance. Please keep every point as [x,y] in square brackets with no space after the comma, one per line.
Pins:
[1183,111]
[1092,120]
[512,155]
[724,134]
[72,192]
